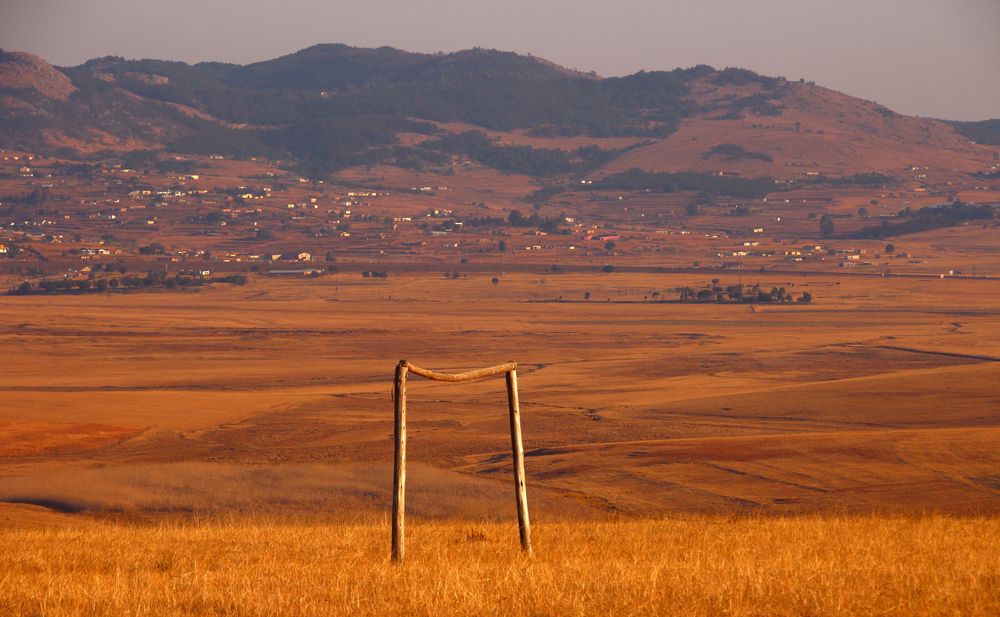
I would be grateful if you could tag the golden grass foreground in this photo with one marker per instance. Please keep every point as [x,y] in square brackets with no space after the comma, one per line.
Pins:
[807,565]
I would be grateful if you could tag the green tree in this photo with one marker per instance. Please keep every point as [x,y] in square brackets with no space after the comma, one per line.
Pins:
[826,226]
[152,249]
[890,248]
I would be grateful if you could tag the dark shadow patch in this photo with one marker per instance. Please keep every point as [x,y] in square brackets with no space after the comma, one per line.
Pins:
[56,505]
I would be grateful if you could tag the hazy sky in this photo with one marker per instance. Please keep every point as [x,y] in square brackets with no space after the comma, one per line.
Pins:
[937,58]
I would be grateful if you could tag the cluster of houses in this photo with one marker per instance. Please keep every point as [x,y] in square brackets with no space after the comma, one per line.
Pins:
[849,257]
[87,253]
[300,256]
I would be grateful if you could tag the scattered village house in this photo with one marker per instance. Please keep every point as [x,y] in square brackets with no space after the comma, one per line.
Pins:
[294,256]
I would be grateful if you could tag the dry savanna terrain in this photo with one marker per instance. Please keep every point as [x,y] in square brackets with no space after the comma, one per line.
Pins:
[756,322]
[699,566]
[228,450]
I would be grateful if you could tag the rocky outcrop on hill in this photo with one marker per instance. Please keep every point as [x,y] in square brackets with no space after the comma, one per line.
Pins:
[23,71]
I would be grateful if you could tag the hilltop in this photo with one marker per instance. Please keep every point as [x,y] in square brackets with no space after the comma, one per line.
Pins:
[331,107]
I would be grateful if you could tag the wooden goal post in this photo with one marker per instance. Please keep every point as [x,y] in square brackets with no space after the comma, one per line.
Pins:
[399,472]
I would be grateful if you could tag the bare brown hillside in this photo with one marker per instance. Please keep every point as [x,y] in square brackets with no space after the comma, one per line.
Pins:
[816,130]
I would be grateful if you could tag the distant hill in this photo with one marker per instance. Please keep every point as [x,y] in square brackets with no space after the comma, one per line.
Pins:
[984,131]
[329,107]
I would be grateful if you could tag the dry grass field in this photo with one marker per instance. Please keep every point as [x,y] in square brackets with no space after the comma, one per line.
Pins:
[812,565]
[228,451]
[881,395]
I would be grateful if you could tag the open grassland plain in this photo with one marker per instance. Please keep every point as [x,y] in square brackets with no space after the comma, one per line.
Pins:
[802,565]
[881,395]
[228,451]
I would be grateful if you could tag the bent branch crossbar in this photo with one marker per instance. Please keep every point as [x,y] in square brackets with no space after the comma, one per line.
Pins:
[508,369]
[466,376]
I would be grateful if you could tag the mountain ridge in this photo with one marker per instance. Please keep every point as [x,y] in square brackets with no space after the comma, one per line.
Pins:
[332,106]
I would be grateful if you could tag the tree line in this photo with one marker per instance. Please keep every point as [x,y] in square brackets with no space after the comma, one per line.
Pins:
[925,219]
[131,282]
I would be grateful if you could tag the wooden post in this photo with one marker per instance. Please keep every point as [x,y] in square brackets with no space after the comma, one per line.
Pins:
[399,470]
[517,452]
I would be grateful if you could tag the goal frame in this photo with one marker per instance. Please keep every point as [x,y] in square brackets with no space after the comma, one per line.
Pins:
[509,370]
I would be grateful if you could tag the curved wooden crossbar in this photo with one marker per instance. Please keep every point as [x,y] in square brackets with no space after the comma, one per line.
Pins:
[466,376]
[509,369]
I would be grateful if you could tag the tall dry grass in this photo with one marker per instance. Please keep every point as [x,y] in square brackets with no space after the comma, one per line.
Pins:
[851,565]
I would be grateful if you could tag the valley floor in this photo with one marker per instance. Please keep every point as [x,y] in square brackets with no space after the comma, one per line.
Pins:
[881,395]
[228,451]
